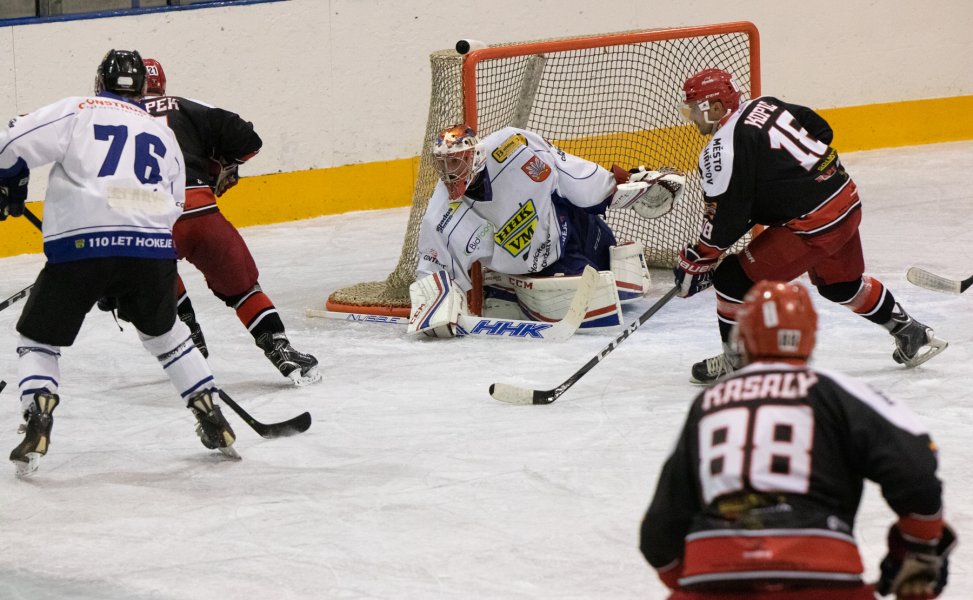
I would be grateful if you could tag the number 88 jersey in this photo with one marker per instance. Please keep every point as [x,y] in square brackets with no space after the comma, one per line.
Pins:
[117,185]
[768,473]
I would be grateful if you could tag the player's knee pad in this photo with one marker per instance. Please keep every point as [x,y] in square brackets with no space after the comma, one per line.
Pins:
[840,293]
[235,300]
[180,359]
[631,274]
[730,280]
[38,369]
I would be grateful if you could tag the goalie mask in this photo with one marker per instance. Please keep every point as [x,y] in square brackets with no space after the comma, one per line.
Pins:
[701,90]
[155,78]
[121,72]
[777,321]
[458,158]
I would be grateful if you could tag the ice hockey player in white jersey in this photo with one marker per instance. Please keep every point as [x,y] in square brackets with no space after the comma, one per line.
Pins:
[524,208]
[116,187]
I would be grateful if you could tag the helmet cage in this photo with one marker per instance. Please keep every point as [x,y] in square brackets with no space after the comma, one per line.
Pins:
[458,158]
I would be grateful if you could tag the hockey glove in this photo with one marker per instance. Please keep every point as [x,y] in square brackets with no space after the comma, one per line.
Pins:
[225,175]
[651,194]
[436,306]
[915,571]
[693,272]
[13,195]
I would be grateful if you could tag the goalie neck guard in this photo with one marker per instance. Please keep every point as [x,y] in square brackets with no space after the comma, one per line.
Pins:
[777,321]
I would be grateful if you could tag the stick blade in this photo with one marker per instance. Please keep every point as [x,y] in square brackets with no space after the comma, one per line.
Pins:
[931,281]
[298,424]
[511,394]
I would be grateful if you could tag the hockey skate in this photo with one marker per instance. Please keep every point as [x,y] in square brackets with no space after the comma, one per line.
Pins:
[213,430]
[709,370]
[301,368]
[195,332]
[37,430]
[911,337]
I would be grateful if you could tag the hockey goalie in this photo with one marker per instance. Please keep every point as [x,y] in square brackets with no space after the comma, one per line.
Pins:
[532,216]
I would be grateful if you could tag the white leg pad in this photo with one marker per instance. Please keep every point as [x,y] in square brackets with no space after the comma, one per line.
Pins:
[180,359]
[631,274]
[547,299]
[37,369]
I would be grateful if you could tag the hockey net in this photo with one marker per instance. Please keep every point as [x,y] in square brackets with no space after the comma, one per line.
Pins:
[612,99]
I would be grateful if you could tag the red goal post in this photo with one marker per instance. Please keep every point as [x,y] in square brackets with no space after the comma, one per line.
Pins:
[611,98]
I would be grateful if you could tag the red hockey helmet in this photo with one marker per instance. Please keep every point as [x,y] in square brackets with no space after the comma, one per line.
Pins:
[458,158]
[155,77]
[712,84]
[777,321]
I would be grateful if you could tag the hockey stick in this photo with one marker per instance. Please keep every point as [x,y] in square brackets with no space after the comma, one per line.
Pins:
[516,395]
[471,325]
[19,295]
[937,283]
[3,384]
[298,424]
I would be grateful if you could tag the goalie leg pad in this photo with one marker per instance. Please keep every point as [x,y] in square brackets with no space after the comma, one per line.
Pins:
[631,273]
[436,306]
[548,298]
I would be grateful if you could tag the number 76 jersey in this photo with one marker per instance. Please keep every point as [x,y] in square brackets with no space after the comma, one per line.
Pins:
[117,184]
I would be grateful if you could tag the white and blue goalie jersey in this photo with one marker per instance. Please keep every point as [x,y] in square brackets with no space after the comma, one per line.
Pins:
[514,229]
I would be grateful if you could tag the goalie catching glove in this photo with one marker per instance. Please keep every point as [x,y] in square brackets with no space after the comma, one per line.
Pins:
[436,306]
[651,194]
[915,571]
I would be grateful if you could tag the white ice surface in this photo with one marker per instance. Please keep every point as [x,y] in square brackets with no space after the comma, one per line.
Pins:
[412,482]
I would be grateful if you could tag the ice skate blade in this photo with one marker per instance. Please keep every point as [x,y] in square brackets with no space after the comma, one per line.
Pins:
[27,468]
[312,376]
[935,346]
[230,452]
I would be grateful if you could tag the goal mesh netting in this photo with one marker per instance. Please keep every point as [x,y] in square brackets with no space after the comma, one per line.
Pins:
[612,99]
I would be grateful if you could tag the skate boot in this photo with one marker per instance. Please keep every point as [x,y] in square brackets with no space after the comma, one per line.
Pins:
[37,430]
[212,429]
[911,337]
[195,331]
[301,368]
[709,370]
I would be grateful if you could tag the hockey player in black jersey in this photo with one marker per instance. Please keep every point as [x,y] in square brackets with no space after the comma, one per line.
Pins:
[758,499]
[769,163]
[215,142]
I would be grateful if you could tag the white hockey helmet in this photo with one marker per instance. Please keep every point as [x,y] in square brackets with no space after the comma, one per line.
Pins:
[458,158]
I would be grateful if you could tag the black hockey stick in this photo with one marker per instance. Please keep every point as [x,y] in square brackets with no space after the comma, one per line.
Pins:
[3,384]
[298,424]
[515,395]
[937,283]
[33,219]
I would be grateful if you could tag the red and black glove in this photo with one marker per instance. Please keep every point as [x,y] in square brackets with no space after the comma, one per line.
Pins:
[914,571]
[693,272]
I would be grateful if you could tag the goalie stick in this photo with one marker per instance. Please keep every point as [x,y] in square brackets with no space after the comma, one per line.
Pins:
[298,424]
[937,283]
[516,395]
[471,325]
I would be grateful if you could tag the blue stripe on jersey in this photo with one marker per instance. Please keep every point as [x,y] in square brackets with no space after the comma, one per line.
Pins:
[111,243]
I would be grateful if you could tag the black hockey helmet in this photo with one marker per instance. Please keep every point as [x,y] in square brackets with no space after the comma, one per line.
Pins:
[121,72]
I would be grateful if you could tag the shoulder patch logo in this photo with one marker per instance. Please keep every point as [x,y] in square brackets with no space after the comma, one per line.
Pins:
[536,169]
[504,150]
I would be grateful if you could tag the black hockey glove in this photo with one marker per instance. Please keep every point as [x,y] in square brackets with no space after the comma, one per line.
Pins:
[912,570]
[13,195]
[108,303]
